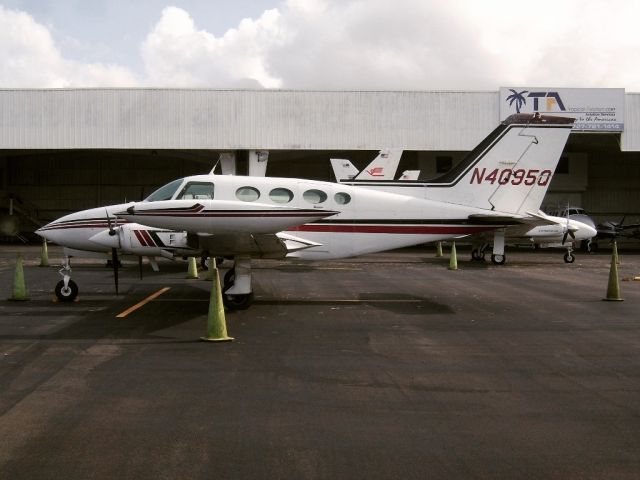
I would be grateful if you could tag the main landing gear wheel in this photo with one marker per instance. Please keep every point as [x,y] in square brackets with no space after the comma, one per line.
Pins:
[68,293]
[498,259]
[477,254]
[238,301]
[569,258]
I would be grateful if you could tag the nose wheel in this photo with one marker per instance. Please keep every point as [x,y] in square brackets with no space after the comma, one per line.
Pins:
[68,292]
[569,257]
[66,289]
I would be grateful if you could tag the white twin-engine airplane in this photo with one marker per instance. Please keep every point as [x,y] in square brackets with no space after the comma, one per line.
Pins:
[500,183]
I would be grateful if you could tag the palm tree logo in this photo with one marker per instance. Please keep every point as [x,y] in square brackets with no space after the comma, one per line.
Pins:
[518,98]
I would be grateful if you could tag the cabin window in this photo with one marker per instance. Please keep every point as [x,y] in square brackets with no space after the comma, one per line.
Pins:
[247,194]
[281,195]
[196,191]
[165,192]
[342,198]
[314,196]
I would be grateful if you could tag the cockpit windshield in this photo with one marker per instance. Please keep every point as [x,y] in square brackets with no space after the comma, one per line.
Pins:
[166,192]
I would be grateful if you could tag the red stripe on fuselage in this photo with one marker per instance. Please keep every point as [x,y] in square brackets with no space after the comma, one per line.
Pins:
[140,238]
[147,237]
[397,229]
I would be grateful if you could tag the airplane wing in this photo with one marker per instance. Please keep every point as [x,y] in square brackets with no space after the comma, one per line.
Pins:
[532,219]
[268,245]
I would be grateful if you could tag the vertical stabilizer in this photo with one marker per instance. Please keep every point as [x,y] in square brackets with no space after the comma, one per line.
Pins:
[383,167]
[343,169]
[510,171]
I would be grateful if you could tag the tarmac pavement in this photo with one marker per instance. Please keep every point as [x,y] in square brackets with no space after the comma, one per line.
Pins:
[384,366]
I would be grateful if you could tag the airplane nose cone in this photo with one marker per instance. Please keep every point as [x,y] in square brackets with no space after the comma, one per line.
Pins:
[105,239]
[44,232]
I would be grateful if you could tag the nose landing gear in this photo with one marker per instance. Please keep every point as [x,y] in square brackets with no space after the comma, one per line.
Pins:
[66,289]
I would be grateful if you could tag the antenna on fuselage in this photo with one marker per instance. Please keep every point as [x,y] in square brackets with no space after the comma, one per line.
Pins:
[214,167]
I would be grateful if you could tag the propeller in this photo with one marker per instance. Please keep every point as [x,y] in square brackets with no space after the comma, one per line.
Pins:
[568,230]
[114,250]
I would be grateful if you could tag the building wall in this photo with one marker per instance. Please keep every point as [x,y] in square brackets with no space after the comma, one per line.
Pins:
[630,141]
[244,119]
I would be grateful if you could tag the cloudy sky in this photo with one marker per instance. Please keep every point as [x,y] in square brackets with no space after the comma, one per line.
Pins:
[320,44]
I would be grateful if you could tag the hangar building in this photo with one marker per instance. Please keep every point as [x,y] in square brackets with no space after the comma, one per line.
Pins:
[63,150]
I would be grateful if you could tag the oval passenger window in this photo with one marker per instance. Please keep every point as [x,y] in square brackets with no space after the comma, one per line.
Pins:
[314,196]
[342,198]
[281,195]
[247,194]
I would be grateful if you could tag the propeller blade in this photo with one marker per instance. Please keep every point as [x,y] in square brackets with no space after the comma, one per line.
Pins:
[564,237]
[140,265]
[112,232]
[114,262]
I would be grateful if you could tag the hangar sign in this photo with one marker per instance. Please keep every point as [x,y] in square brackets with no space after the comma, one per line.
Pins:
[595,109]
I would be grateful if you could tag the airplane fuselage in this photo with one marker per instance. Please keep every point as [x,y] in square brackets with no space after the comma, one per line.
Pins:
[345,220]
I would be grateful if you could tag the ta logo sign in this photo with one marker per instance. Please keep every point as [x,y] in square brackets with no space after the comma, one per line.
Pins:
[553,100]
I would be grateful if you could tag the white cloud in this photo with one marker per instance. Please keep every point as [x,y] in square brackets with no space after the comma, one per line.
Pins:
[176,53]
[31,59]
[358,44]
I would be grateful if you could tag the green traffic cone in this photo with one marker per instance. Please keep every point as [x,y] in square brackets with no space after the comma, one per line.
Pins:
[192,272]
[44,255]
[211,264]
[453,262]
[613,287]
[439,249]
[615,252]
[19,287]
[216,322]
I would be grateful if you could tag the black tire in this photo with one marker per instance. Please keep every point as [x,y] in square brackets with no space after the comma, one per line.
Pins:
[237,302]
[569,258]
[68,294]
[498,259]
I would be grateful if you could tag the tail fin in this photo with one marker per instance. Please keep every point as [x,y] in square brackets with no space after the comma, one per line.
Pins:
[510,170]
[343,169]
[383,167]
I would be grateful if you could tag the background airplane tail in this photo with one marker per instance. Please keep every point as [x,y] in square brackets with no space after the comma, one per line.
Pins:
[383,167]
[510,171]
[343,169]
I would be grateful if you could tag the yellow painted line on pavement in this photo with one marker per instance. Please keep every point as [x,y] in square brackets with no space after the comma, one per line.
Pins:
[142,303]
